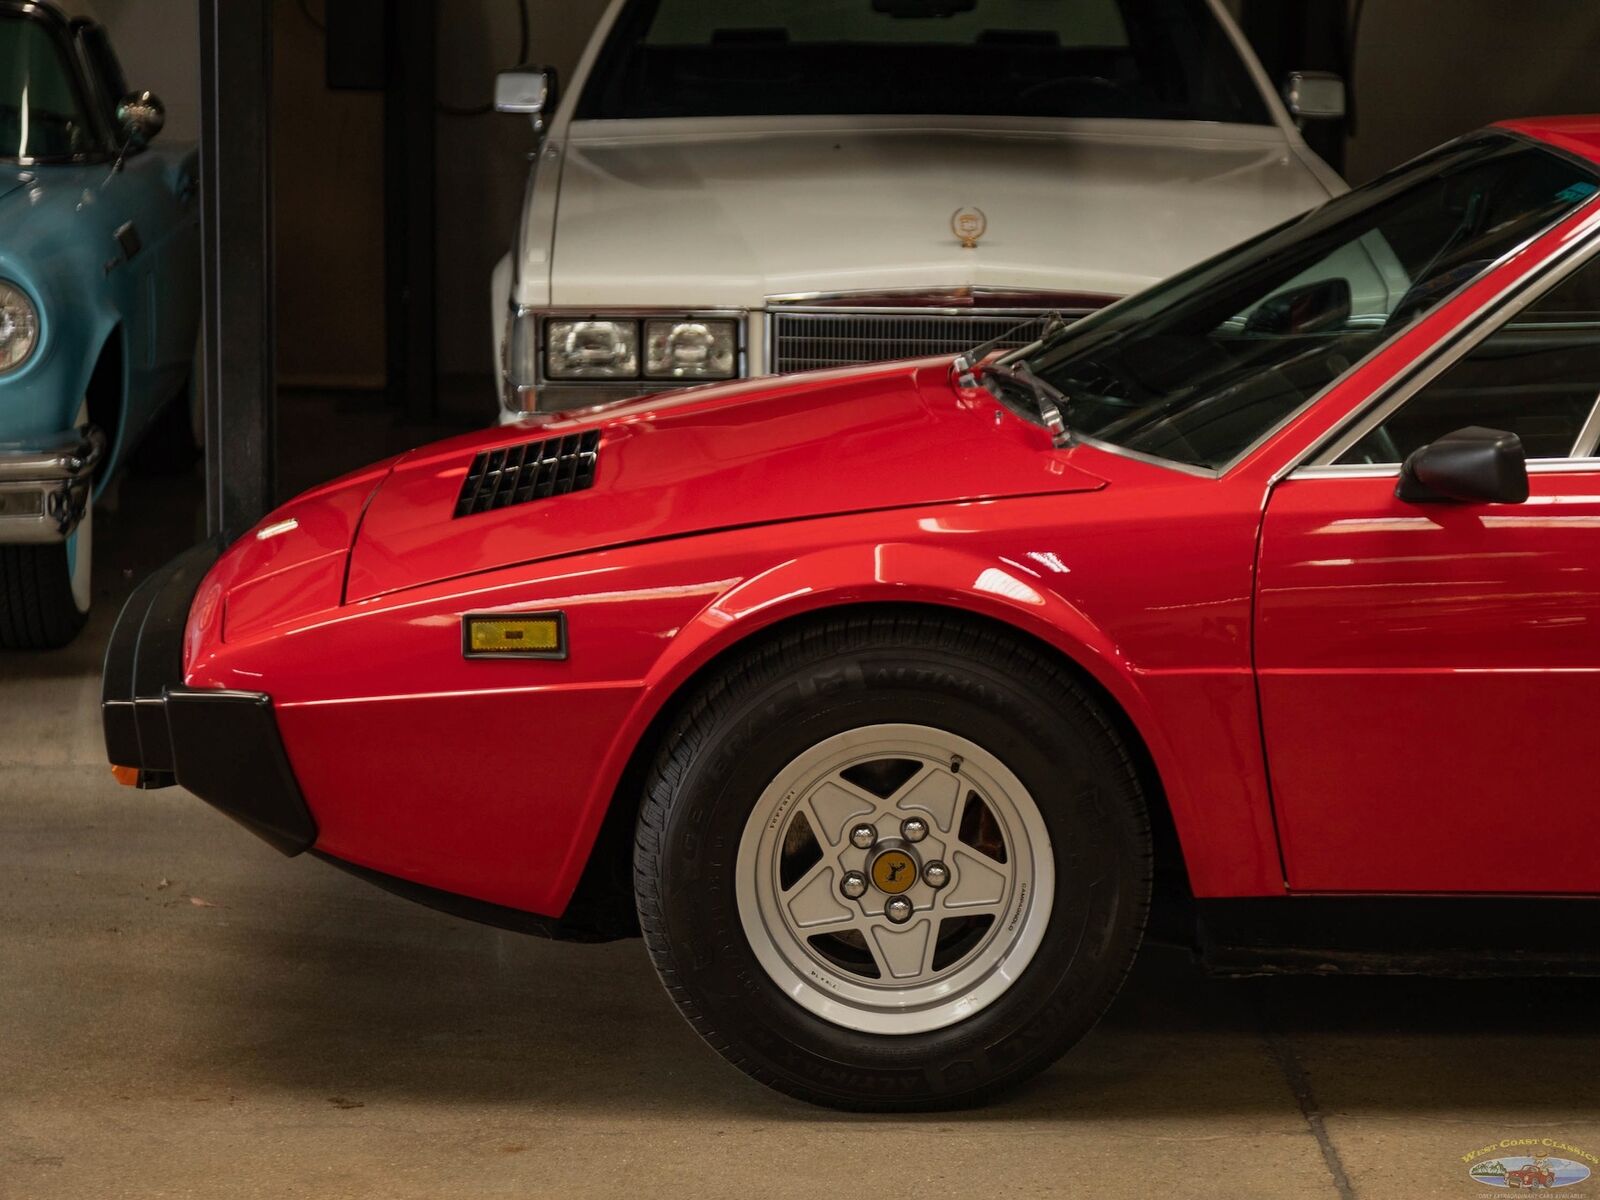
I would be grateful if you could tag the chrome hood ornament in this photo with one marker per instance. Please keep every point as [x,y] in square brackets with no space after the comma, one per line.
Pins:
[969,224]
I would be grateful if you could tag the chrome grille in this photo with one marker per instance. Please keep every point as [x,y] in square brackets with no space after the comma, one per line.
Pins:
[529,471]
[804,341]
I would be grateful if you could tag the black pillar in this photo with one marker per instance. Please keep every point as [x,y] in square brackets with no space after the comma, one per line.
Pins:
[408,168]
[237,265]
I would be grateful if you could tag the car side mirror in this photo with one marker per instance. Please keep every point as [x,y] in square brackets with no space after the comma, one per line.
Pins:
[1314,96]
[1475,465]
[527,89]
[1321,306]
[140,116]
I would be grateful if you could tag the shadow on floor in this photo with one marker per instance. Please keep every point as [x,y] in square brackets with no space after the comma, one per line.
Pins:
[435,1010]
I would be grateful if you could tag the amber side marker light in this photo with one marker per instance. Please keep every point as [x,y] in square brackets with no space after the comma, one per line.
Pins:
[514,635]
[126,776]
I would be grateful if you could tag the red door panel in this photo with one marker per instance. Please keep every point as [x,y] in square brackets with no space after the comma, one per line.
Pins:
[1430,686]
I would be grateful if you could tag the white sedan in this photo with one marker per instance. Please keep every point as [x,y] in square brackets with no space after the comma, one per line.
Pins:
[732,187]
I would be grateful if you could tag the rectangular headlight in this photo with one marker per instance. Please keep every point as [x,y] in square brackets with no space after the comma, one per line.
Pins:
[691,349]
[591,348]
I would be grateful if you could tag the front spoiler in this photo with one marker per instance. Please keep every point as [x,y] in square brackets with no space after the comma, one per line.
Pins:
[221,745]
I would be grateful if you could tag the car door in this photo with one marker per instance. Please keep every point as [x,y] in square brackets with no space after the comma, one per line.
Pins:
[1429,673]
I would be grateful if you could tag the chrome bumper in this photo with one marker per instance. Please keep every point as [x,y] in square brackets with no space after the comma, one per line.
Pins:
[44,487]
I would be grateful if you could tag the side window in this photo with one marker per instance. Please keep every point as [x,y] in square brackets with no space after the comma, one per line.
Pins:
[1538,376]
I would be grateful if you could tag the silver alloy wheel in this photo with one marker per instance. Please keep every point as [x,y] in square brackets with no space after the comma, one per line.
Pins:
[846,959]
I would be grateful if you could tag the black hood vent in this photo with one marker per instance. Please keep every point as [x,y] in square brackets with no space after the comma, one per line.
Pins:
[529,471]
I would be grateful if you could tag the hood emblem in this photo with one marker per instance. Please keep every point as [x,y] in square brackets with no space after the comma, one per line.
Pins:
[969,224]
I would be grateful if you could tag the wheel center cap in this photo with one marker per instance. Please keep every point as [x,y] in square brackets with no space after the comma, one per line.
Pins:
[894,871]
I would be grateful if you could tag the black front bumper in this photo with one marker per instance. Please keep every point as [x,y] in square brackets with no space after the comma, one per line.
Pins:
[221,745]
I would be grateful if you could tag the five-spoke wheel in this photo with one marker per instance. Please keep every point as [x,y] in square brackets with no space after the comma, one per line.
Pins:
[892,861]
[895,878]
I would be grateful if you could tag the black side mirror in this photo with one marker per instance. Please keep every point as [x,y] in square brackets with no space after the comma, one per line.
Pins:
[1474,464]
[1321,306]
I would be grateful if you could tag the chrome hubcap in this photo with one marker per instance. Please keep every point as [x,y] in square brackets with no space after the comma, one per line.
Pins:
[895,879]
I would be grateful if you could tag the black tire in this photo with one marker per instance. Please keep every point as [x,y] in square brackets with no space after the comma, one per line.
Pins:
[738,730]
[37,611]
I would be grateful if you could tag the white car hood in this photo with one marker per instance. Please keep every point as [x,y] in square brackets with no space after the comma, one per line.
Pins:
[679,214]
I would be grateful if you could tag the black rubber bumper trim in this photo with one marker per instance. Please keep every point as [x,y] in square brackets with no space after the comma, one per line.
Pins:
[482,911]
[223,746]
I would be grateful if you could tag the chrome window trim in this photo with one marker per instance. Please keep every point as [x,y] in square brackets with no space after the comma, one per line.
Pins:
[1154,460]
[1589,435]
[1462,338]
[1536,466]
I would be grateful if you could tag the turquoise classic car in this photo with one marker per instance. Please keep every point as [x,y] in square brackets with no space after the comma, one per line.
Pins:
[99,302]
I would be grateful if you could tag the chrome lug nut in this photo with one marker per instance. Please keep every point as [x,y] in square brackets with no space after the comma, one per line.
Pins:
[863,837]
[898,910]
[854,885]
[936,874]
[913,829]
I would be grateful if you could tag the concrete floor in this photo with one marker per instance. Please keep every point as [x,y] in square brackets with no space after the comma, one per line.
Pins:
[184,1013]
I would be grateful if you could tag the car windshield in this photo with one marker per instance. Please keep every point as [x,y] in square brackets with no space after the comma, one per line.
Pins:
[40,117]
[1160,59]
[1198,368]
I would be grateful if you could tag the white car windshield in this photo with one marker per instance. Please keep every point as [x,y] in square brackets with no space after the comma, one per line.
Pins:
[1156,59]
[1198,368]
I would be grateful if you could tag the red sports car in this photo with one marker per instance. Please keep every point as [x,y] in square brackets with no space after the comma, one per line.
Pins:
[877,700]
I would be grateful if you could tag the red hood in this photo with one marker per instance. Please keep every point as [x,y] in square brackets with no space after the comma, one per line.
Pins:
[713,458]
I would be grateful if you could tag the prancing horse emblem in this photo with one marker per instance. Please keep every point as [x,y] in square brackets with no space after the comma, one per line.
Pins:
[894,871]
[969,224]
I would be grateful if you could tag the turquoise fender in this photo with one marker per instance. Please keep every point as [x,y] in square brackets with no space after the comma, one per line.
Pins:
[110,256]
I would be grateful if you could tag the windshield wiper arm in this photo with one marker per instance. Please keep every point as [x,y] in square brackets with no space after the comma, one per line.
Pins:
[966,361]
[1048,400]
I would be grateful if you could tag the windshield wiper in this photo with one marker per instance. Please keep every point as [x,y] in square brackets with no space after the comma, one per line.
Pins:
[1048,401]
[967,360]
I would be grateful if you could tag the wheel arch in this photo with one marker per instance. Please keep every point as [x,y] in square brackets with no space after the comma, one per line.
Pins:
[602,900]
[106,391]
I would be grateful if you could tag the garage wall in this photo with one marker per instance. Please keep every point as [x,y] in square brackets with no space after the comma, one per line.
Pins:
[1426,72]
[158,42]
[483,160]
[328,150]
[327,161]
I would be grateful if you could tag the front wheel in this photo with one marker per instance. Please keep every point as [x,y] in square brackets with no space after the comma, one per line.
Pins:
[45,590]
[893,862]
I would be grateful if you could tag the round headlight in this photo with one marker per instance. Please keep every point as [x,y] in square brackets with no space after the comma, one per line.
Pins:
[19,327]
